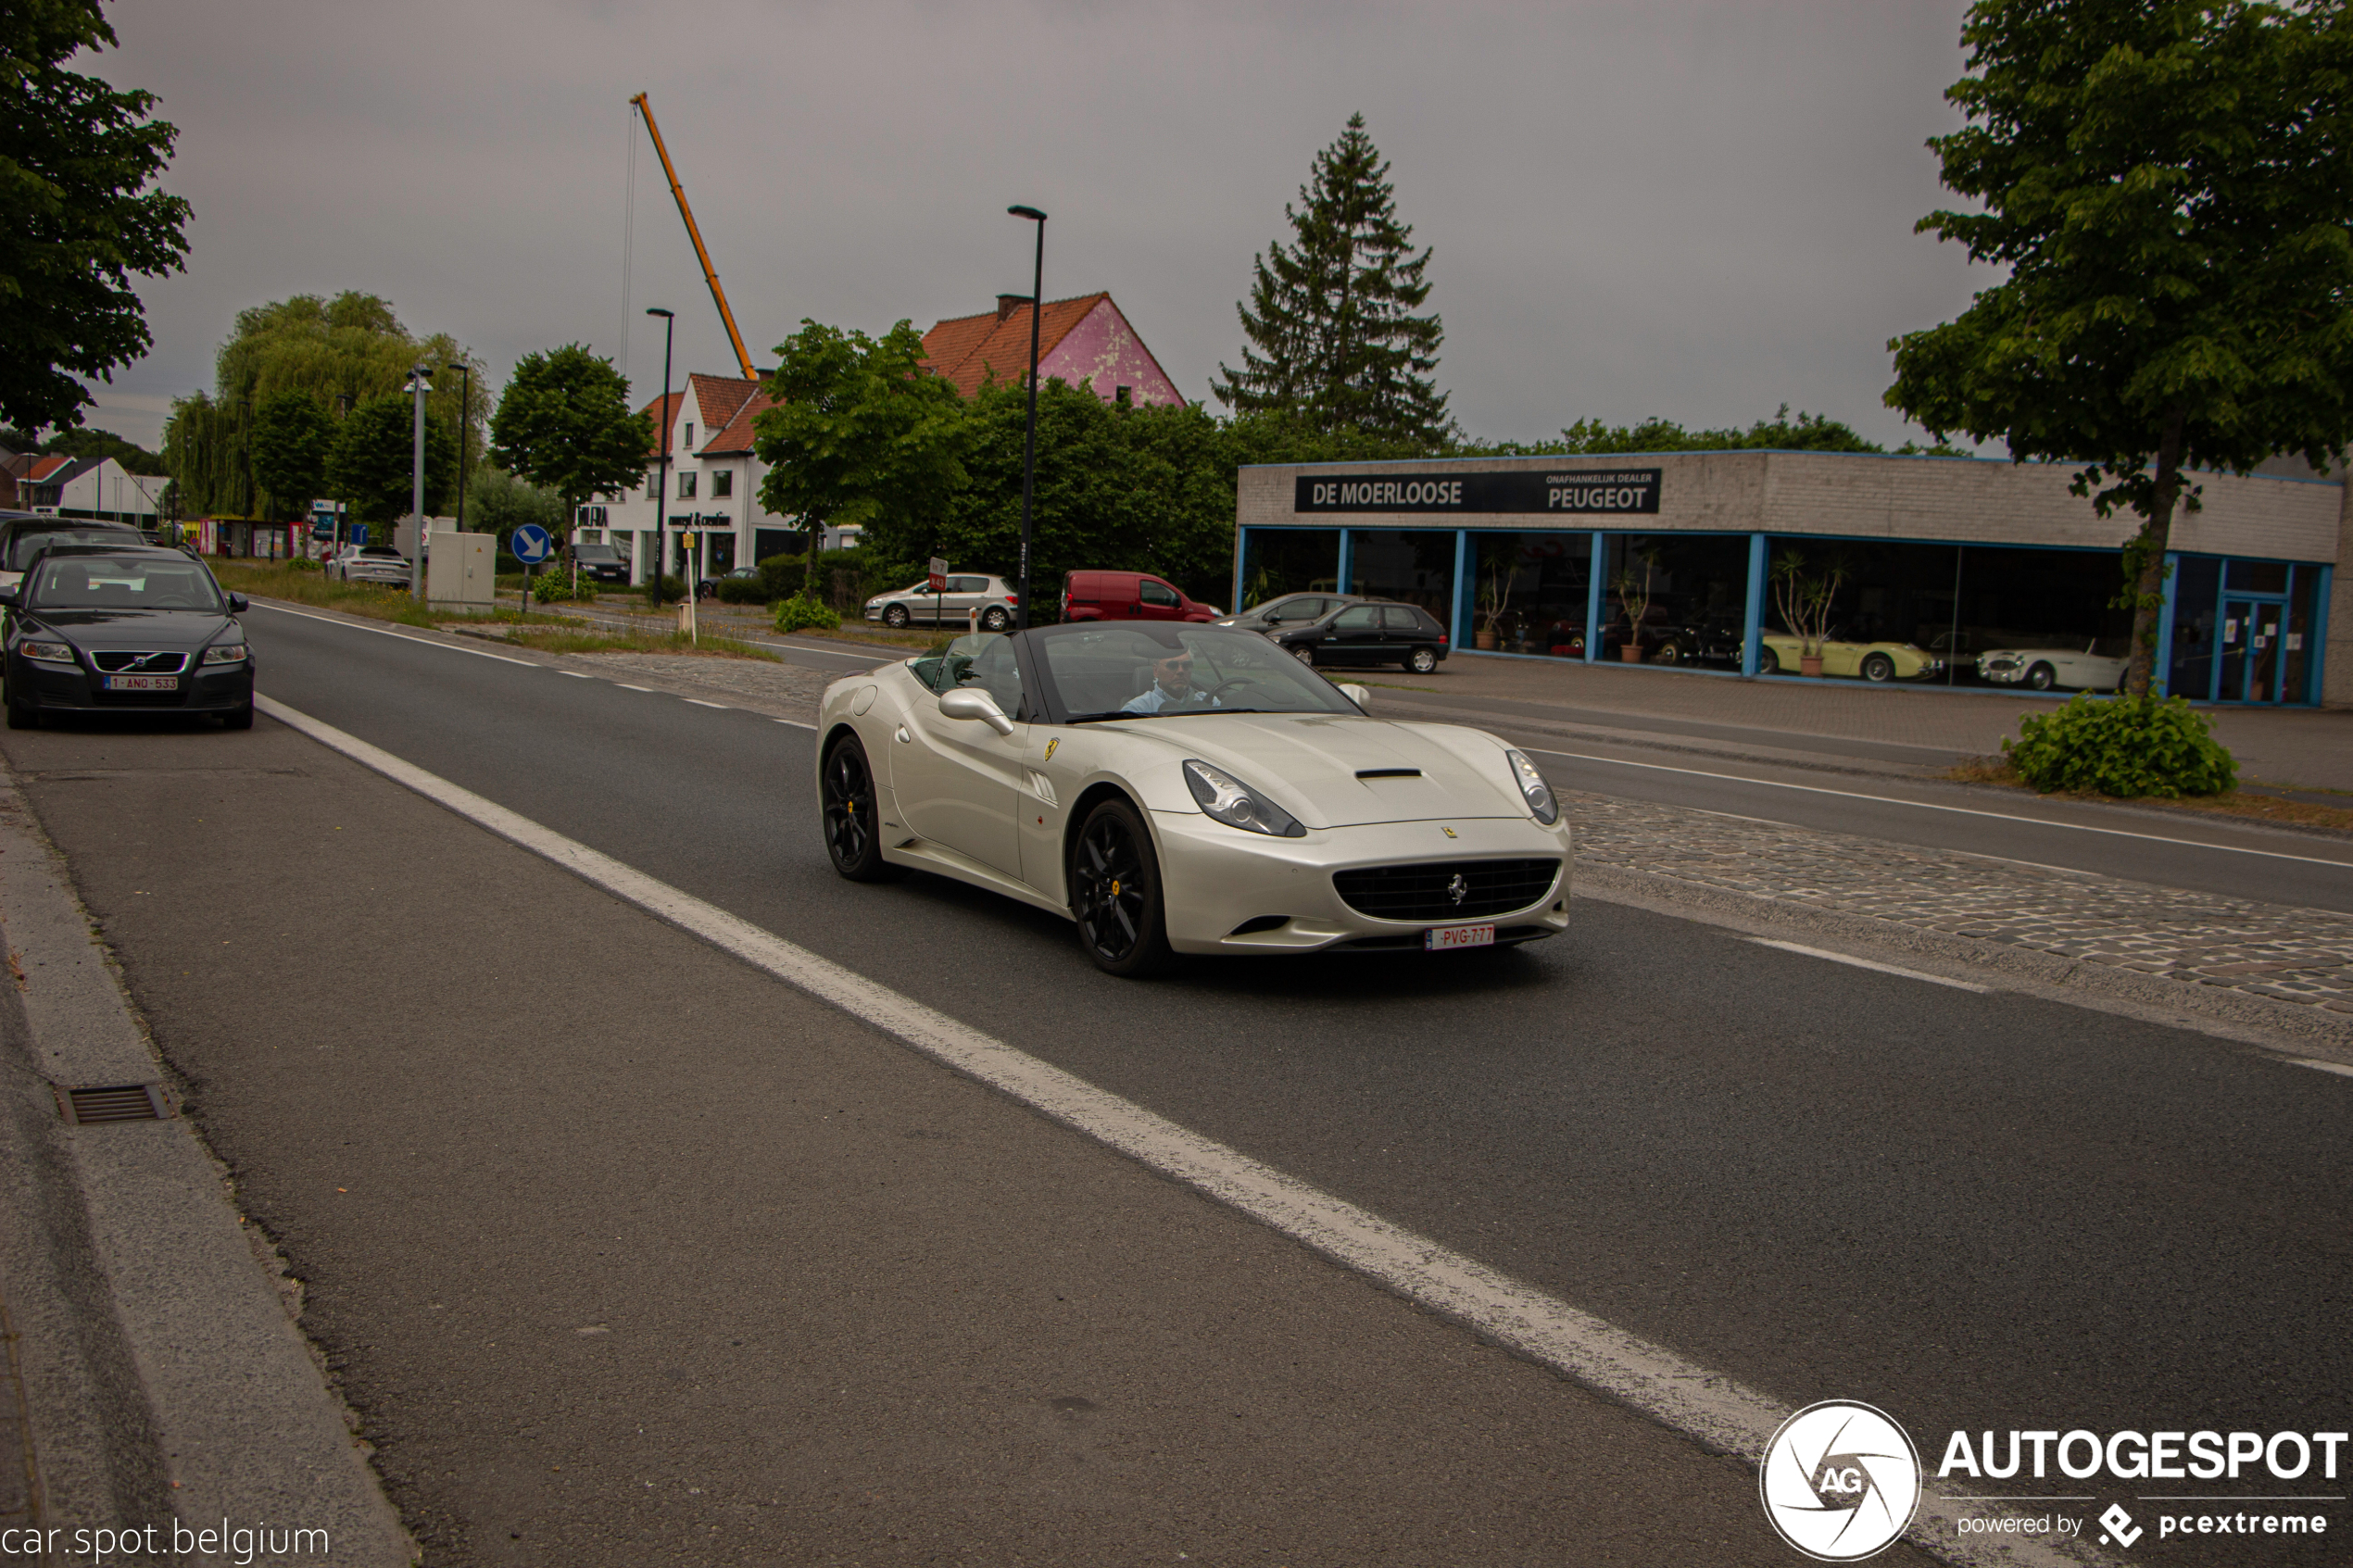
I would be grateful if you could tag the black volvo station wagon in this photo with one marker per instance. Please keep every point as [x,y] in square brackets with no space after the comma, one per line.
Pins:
[125,629]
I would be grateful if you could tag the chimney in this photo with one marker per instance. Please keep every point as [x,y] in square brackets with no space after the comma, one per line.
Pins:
[1009,302]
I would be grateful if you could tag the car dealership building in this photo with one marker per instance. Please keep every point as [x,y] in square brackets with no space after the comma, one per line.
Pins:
[1956,556]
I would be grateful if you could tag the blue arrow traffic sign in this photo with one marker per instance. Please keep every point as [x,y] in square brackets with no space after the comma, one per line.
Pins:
[531,544]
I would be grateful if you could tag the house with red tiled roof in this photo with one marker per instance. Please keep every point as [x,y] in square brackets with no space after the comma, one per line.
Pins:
[85,487]
[1087,339]
[714,485]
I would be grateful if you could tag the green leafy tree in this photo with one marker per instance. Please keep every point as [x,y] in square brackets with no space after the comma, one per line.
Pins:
[1332,335]
[1807,433]
[372,463]
[77,157]
[497,502]
[862,434]
[564,425]
[292,434]
[2167,187]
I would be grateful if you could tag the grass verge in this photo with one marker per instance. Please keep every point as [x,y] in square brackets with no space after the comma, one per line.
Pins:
[279,580]
[2241,803]
[575,639]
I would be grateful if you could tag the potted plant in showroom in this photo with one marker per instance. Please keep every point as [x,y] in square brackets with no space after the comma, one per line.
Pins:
[1495,600]
[1804,598]
[1635,596]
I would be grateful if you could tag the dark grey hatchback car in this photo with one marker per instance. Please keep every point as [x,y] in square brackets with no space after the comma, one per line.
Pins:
[125,630]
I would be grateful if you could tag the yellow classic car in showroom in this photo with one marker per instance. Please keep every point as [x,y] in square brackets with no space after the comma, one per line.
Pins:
[1843,653]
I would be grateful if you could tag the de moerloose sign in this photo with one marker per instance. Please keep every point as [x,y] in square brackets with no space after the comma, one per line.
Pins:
[1560,490]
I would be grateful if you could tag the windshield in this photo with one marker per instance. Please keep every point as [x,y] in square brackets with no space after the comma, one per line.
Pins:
[115,583]
[1141,670]
[25,546]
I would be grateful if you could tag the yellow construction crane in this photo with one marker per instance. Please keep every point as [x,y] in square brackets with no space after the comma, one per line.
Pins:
[718,294]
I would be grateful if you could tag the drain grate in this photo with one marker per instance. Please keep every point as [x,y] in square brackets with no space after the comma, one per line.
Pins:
[117,1102]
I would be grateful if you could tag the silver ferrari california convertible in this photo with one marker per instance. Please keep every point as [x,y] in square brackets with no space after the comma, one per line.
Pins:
[1181,788]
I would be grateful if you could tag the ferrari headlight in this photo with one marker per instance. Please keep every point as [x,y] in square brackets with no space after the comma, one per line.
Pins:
[52,653]
[225,653]
[1533,789]
[1229,800]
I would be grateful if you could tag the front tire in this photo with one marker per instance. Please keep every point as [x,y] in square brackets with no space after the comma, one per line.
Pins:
[1421,661]
[238,718]
[23,716]
[1767,662]
[895,617]
[1115,892]
[848,810]
[2042,678]
[1878,668]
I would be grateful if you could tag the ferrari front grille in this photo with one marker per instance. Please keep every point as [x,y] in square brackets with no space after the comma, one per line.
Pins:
[1447,889]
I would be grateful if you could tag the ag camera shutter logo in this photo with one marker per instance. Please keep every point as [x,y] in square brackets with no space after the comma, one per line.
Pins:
[1841,1481]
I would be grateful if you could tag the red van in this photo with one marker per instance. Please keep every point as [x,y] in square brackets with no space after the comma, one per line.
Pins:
[1129,595]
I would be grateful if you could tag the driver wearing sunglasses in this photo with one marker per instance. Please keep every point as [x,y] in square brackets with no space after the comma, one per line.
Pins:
[1172,687]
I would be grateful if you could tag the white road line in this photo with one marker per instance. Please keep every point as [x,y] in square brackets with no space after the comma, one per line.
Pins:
[627,687]
[1931,806]
[1713,1409]
[700,703]
[381,631]
[2336,1067]
[1866,963]
[575,674]
[797,723]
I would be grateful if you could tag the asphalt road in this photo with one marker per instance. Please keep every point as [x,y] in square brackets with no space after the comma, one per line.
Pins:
[1976,1212]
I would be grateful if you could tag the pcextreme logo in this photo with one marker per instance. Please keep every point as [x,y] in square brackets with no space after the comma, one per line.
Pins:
[1841,1481]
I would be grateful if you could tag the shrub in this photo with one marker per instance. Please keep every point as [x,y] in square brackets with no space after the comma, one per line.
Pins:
[781,577]
[554,586]
[743,591]
[674,588]
[2124,746]
[302,564]
[802,613]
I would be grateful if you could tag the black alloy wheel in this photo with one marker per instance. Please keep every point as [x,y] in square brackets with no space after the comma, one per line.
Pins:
[995,619]
[847,806]
[895,616]
[1421,661]
[1114,892]
[1879,666]
[2042,677]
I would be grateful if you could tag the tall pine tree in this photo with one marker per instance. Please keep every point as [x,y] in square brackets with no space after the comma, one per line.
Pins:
[1333,339]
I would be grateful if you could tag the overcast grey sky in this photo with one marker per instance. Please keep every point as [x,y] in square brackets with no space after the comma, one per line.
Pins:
[1643,206]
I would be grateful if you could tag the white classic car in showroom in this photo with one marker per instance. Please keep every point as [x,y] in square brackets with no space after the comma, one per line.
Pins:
[2042,669]
[1173,788]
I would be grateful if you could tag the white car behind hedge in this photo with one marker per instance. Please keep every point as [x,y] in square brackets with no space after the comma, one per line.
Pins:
[2042,669]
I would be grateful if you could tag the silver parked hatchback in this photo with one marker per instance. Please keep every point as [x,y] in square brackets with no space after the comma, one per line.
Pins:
[966,593]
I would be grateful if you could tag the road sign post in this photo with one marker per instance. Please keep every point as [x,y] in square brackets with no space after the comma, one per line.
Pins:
[532,545]
[939,571]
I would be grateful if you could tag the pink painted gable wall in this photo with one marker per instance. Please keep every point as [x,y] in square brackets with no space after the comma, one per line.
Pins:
[1105,349]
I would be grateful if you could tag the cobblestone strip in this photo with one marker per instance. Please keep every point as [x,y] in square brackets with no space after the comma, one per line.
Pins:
[2292,955]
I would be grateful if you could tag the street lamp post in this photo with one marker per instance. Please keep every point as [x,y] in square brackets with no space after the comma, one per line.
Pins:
[661,483]
[1030,442]
[417,388]
[465,425]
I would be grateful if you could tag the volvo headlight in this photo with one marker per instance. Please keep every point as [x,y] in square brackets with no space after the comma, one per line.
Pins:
[225,653]
[1534,790]
[1229,800]
[52,653]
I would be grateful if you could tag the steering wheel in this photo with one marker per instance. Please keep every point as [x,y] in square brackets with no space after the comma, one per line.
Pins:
[1222,687]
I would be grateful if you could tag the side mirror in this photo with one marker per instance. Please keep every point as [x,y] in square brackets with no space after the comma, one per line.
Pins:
[971,702]
[1360,696]
[239,604]
[8,597]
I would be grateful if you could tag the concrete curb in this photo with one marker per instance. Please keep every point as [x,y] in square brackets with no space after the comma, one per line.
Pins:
[165,1382]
